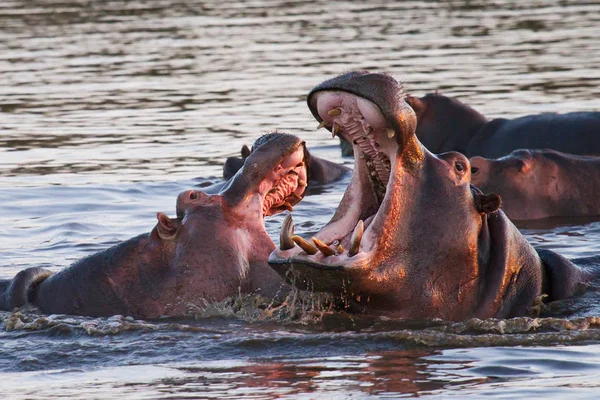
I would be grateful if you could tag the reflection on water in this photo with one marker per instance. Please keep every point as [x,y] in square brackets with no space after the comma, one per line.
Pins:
[498,372]
[110,108]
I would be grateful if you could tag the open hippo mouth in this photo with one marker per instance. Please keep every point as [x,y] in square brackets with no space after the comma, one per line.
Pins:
[277,171]
[354,236]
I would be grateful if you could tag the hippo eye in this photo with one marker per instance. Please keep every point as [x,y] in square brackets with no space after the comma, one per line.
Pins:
[474,170]
[459,166]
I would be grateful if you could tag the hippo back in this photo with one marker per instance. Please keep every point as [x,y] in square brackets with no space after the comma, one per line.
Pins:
[574,133]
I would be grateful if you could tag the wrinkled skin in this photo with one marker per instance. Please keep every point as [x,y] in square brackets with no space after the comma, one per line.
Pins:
[538,184]
[216,246]
[446,124]
[321,171]
[433,246]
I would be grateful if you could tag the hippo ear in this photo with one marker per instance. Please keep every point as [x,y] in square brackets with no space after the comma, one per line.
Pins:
[416,104]
[245,151]
[167,228]
[487,203]
[524,165]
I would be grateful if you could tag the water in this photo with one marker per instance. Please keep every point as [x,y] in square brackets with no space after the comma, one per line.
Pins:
[108,109]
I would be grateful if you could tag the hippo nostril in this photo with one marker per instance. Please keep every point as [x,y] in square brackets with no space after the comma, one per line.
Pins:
[474,170]
[193,195]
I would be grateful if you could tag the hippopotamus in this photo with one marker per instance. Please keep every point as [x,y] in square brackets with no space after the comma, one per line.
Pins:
[321,171]
[446,124]
[412,238]
[538,184]
[215,247]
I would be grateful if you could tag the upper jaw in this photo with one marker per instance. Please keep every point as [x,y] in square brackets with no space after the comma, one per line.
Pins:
[273,178]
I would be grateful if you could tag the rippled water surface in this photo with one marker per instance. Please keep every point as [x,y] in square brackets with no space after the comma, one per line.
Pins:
[109,108]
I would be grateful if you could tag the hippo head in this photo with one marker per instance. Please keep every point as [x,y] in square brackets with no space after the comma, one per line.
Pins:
[224,234]
[411,236]
[529,182]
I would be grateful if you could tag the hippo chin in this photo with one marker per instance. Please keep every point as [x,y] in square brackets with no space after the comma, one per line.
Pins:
[321,171]
[446,124]
[216,246]
[538,184]
[411,237]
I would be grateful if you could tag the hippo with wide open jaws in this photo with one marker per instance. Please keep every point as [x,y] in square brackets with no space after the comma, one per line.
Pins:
[411,237]
[216,246]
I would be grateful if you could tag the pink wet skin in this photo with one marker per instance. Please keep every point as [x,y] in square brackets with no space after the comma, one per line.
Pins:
[283,181]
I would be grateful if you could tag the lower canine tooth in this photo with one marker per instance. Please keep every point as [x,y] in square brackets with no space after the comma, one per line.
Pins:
[322,124]
[287,231]
[308,247]
[335,128]
[323,248]
[356,238]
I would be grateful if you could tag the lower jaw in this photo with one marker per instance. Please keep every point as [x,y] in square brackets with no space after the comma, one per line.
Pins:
[309,275]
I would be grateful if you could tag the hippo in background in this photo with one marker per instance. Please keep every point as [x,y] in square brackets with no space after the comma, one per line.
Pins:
[446,124]
[320,171]
[412,238]
[216,247]
[535,184]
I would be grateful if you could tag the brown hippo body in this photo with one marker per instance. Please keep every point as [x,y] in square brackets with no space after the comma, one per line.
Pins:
[216,247]
[538,184]
[446,124]
[411,237]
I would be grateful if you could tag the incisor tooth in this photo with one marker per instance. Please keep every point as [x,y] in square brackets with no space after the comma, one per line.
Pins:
[340,249]
[287,231]
[308,247]
[390,132]
[294,196]
[356,238]
[323,248]
[334,112]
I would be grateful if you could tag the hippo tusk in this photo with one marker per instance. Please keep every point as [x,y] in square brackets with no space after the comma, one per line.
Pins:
[322,124]
[334,112]
[390,132]
[357,235]
[287,231]
[287,206]
[334,130]
[308,247]
[323,248]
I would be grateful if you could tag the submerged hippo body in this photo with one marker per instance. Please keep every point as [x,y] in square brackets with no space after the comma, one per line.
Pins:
[446,124]
[411,237]
[538,184]
[320,171]
[216,246]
